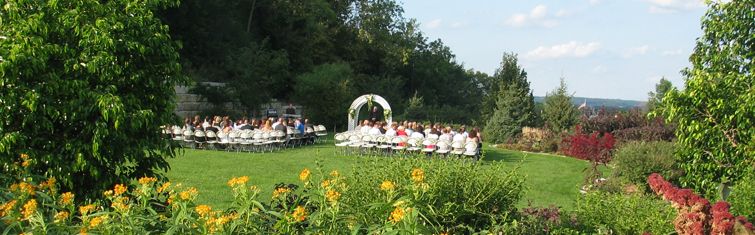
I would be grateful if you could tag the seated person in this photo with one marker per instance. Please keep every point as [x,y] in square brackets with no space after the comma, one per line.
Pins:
[391,131]
[375,130]
[365,129]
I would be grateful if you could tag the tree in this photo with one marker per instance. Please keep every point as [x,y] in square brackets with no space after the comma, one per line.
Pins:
[515,105]
[559,112]
[716,110]
[326,93]
[86,86]
[655,99]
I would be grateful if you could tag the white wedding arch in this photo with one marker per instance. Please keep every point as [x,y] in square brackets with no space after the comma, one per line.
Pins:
[368,99]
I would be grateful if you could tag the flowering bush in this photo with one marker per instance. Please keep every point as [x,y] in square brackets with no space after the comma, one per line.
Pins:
[695,215]
[635,160]
[420,196]
[624,214]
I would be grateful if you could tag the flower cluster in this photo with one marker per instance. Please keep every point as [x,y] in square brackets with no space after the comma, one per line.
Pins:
[695,213]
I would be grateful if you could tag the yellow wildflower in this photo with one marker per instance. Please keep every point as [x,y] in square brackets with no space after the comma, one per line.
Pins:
[66,198]
[238,181]
[397,215]
[304,175]
[121,204]
[203,210]
[300,214]
[94,222]
[418,175]
[254,188]
[61,216]
[387,186]
[86,209]
[147,180]
[332,195]
[334,174]
[279,191]
[119,189]
[163,187]
[29,208]
[108,193]
[23,187]
[188,194]
[8,206]
[325,183]
[26,162]
[49,183]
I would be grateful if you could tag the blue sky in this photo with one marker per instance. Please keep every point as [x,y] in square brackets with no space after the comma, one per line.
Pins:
[603,48]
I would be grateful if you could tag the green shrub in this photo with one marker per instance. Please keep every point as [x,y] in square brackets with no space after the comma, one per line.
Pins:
[742,197]
[634,161]
[624,214]
[456,194]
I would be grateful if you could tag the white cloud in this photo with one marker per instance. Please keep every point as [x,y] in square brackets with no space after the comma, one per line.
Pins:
[434,24]
[570,49]
[538,16]
[562,13]
[672,6]
[672,52]
[594,2]
[640,50]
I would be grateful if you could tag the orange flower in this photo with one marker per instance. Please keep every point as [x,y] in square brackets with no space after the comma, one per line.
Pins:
[332,195]
[238,181]
[325,183]
[119,189]
[387,186]
[29,208]
[304,175]
[397,215]
[86,209]
[66,198]
[96,221]
[300,214]
[334,174]
[49,183]
[418,175]
[188,194]
[147,180]
[163,187]
[60,216]
[279,191]
[8,206]
[203,210]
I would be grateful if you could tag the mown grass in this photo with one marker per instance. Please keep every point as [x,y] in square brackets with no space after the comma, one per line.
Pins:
[550,179]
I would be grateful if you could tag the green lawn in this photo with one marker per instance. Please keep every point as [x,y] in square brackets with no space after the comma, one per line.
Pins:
[550,179]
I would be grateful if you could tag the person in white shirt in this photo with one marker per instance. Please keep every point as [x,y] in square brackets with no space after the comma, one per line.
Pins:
[365,129]
[459,137]
[391,131]
[375,130]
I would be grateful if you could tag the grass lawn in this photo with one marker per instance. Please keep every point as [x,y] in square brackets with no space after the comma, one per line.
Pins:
[550,179]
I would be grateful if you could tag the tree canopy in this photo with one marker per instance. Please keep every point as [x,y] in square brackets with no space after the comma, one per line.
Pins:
[716,110]
[261,47]
[558,111]
[514,106]
[84,88]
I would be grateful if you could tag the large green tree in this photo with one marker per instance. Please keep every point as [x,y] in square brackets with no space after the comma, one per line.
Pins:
[558,111]
[84,88]
[326,92]
[515,105]
[716,110]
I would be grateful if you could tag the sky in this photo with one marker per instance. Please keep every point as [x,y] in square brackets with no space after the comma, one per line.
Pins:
[602,48]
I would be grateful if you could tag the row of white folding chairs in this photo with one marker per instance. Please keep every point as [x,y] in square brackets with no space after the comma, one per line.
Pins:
[246,140]
[429,145]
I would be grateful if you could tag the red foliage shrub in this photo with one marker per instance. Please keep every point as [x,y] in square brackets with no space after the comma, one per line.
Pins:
[696,216]
[594,147]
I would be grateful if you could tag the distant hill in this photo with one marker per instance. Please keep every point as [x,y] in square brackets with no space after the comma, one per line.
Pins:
[598,102]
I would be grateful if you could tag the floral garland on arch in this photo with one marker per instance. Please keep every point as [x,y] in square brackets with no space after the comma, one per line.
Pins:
[352,113]
[386,114]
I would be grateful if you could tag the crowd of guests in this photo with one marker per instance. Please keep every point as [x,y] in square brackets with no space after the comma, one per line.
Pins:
[418,130]
[226,124]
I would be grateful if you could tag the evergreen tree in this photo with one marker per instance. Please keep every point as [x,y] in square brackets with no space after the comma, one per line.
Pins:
[655,99]
[559,112]
[515,104]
